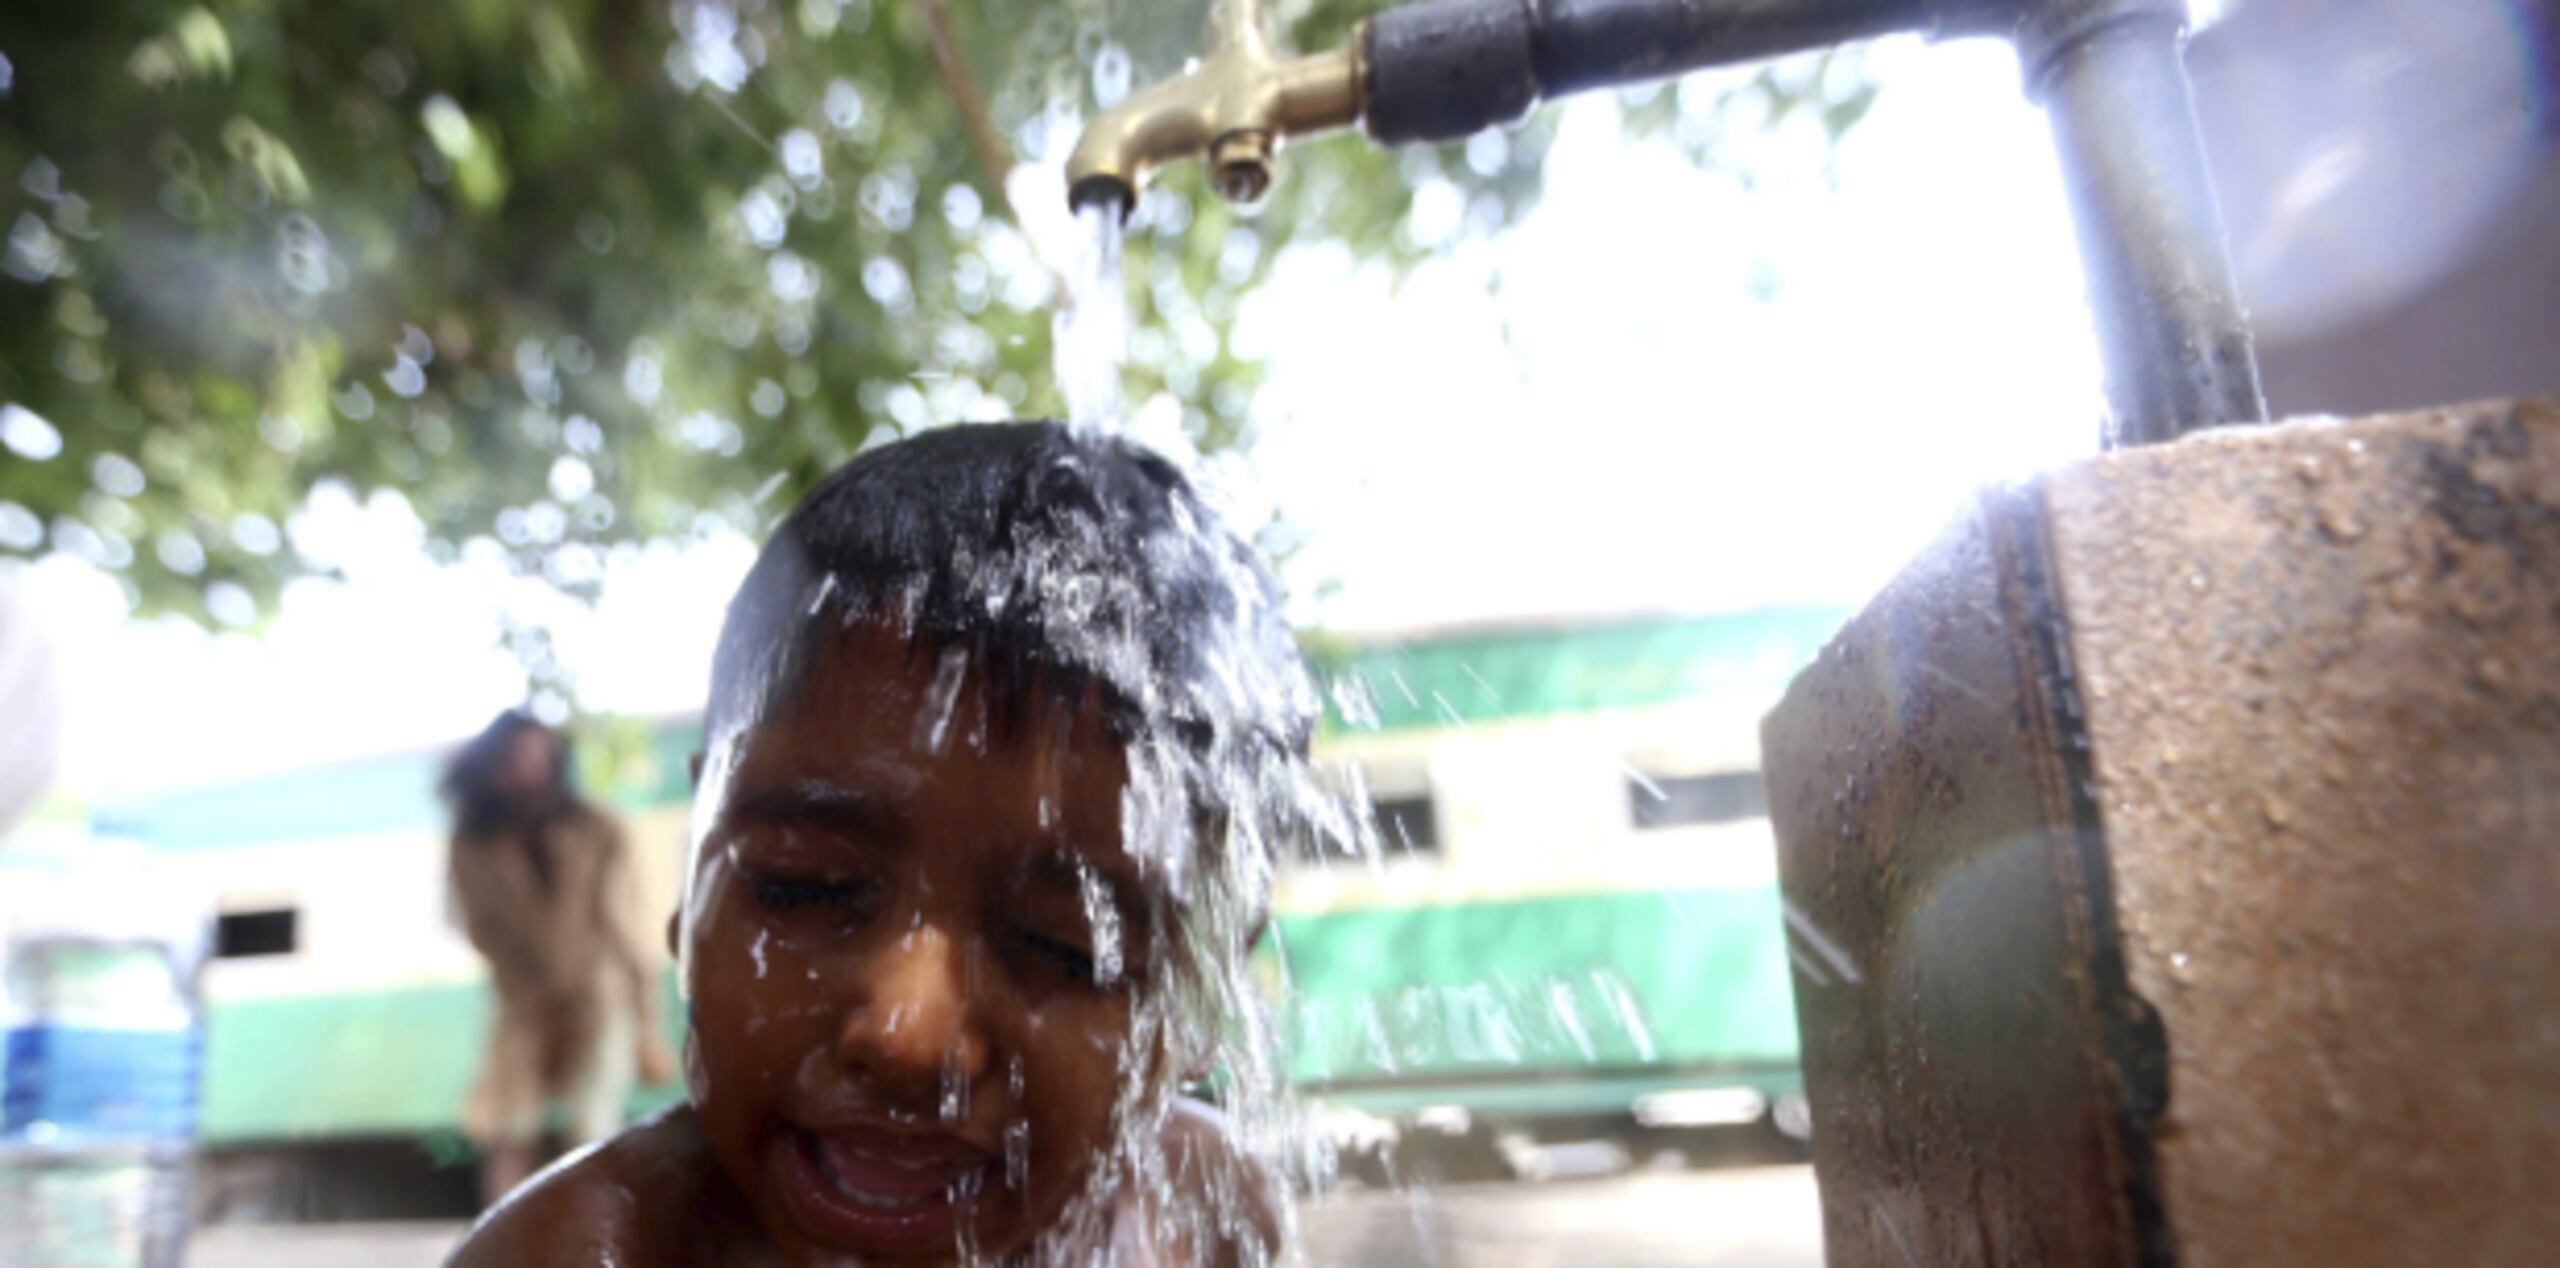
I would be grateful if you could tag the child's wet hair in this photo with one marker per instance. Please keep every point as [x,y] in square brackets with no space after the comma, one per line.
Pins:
[1058,564]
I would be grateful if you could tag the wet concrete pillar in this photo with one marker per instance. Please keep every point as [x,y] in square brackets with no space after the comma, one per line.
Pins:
[2172,861]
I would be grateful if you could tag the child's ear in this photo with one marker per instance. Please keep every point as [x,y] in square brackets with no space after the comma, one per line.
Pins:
[693,770]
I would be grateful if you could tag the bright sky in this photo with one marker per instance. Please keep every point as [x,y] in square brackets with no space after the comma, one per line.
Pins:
[1622,427]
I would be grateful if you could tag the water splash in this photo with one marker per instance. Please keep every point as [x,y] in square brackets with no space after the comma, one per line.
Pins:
[1354,702]
[1103,915]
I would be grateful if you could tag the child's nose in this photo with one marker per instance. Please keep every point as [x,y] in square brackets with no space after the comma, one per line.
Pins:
[914,1027]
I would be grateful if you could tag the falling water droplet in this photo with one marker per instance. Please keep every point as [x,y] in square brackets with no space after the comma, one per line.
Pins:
[963,1196]
[1017,1156]
[1560,1000]
[1650,789]
[1102,916]
[1353,700]
[1630,1014]
[933,717]
[955,1090]
[819,594]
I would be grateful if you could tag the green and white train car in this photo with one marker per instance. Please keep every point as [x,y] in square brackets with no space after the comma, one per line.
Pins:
[1575,919]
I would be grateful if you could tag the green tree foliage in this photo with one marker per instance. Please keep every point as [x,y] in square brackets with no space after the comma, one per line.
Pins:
[572,274]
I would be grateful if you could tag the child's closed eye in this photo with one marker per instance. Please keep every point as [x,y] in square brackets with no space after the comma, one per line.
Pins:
[1060,955]
[789,895]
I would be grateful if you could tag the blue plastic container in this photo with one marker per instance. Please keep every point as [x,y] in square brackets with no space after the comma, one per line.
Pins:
[104,1035]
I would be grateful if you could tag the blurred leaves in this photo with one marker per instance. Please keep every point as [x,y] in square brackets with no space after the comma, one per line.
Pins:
[570,275]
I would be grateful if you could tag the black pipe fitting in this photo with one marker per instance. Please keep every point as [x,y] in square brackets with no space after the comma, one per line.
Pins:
[1443,69]
[2175,339]
[2044,30]
[1594,43]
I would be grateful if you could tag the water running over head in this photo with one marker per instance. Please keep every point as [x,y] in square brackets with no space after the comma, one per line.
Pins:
[1067,908]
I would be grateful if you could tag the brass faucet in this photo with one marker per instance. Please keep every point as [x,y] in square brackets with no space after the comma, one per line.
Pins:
[1234,105]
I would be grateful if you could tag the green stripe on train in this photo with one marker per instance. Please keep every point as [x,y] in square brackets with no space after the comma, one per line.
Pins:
[1512,1000]
[1681,977]
[1497,675]
[1446,680]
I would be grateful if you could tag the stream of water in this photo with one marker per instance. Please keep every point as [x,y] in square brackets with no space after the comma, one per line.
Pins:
[1207,1001]
[1207,743]
[1091,333]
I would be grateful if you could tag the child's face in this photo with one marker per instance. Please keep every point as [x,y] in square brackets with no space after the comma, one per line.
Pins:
[891,969]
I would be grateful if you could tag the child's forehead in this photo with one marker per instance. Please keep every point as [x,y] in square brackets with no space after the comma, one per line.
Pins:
[874,692]
[976,685]
[871,699]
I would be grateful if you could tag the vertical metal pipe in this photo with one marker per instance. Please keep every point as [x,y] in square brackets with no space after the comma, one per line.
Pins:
[2175,340]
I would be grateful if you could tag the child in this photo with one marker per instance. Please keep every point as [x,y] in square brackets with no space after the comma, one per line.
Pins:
[1003,726]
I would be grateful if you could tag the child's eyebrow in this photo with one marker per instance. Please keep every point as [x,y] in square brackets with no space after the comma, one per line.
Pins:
[851,811]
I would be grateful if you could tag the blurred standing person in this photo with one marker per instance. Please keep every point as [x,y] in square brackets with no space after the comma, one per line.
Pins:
[547,891]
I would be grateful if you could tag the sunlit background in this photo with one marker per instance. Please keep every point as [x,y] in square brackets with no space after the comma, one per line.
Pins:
[1628,365]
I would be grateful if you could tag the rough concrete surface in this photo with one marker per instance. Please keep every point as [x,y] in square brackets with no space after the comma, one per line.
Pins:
[1962,1107]
[2321,667]
[2172,857]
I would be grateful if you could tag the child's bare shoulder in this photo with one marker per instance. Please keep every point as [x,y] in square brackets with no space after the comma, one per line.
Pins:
[651,1195]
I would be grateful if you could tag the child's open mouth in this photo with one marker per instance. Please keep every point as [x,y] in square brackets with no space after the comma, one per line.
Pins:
[884,1192]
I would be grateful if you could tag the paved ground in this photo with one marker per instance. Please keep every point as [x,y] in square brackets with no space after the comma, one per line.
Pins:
[1764,1217]
[321,1245]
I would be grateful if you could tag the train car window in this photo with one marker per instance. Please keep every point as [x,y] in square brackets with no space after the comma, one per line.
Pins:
[1407,824]
[240,934]
[1672,801]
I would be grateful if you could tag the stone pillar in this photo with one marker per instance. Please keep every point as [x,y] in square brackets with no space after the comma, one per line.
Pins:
[2172,859]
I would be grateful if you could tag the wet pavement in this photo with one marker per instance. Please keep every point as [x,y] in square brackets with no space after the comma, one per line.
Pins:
[1762,1217]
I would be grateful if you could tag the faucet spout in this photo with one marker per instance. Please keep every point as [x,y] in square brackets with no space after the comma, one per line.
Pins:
[1234,107]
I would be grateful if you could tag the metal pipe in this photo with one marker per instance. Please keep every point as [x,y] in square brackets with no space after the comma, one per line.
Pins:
[1442,69]
[2171,330]
[2176,342]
